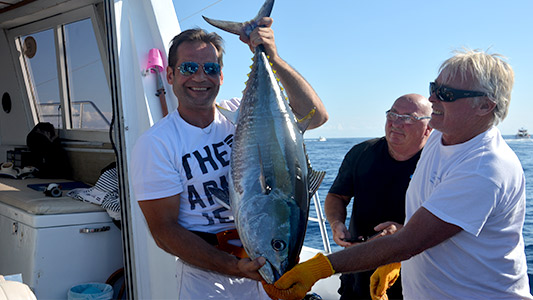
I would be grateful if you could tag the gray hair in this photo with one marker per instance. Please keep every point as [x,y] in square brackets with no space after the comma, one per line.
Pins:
[490,74]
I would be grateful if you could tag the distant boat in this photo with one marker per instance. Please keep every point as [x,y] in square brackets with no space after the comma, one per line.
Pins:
[522,134]
[321,139]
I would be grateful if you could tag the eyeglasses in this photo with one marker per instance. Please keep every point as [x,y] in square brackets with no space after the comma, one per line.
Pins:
[447,94]
[407,119]
[189,67]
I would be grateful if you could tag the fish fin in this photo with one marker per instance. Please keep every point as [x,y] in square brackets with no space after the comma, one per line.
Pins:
[221,196]
[232,116]
[315,179]
[304,122]
[243,27]
[232,27]
[265,10]
[265,188]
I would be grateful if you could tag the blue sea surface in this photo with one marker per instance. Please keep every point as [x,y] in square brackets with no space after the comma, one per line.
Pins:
[328,155]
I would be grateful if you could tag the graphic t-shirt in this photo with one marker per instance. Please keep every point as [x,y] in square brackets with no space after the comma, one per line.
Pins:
[175,157]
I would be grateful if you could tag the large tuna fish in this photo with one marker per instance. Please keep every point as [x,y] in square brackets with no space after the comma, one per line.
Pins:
[271,181]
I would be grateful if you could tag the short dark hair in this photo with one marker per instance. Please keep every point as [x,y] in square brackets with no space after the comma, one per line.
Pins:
[194,35]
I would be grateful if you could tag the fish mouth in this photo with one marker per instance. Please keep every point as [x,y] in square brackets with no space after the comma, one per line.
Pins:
[273,274]
[277,275]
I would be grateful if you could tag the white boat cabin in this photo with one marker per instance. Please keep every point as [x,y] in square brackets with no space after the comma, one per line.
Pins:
[82,67]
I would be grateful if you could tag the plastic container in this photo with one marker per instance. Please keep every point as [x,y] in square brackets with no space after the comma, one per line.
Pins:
[91,291]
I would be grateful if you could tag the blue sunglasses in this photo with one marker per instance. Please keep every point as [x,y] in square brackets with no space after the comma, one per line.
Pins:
[189,67]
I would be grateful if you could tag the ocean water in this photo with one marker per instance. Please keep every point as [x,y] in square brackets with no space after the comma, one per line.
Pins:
[328,155]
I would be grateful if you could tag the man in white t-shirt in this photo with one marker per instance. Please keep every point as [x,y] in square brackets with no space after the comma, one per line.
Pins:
[465,205]
[181,156]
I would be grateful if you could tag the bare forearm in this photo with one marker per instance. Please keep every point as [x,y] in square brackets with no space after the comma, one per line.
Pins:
[369,255]
[301,94]
[335,209]
[195,251]
[422,232]
[161,216]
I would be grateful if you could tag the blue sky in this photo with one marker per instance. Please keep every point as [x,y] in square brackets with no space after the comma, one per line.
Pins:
[360,56]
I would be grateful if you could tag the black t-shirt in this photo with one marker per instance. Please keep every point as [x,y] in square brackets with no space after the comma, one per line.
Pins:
[377,183]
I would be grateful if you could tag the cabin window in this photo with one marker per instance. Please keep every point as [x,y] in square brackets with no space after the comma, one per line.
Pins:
[43,76]
[64,72]
[90,99]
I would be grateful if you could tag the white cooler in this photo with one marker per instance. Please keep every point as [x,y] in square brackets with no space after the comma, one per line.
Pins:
[55,243]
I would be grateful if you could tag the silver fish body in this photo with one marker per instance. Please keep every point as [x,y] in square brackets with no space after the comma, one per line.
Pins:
[270,181]
[269,192]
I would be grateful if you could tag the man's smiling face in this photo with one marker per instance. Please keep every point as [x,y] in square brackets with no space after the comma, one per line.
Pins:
[199,90]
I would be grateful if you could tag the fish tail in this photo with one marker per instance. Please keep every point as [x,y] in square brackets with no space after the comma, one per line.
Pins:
[243,27]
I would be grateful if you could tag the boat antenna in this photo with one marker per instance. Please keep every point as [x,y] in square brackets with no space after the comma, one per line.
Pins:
[201,10]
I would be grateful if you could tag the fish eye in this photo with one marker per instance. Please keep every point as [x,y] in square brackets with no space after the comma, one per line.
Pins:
[278,245]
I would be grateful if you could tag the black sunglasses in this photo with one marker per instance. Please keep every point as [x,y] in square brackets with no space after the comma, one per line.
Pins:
[447,94]
[189,67]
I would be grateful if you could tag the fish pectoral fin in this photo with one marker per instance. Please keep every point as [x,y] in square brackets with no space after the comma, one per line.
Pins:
[265,187]
[232,116]
[304,122]
[221,196]
[315,179]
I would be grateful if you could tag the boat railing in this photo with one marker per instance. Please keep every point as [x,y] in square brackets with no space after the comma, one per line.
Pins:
[321,223]
[79,114]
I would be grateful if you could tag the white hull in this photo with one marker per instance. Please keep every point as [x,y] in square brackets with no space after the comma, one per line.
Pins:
[522,134]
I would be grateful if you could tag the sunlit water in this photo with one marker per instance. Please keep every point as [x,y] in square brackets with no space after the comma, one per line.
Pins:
[328,155]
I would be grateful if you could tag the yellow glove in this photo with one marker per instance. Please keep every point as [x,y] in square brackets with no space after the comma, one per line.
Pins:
[382,279]
[294,284]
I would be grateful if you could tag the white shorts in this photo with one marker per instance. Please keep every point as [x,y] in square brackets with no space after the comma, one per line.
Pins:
[195,283]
